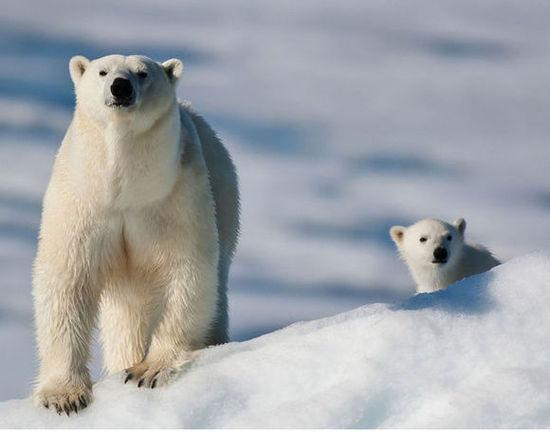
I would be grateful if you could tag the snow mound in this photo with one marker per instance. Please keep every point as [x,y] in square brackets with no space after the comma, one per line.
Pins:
[474,355]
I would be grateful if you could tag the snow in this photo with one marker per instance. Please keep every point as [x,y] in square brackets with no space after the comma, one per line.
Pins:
[344,118]
[476,355]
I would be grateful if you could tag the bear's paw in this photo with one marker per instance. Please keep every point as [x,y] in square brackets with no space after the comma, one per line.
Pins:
[151,374]
[68,398]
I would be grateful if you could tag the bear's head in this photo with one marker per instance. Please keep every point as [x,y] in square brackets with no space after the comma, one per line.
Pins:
[430,242]
[131,88]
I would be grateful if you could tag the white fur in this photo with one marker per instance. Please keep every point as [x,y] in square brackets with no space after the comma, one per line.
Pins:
[139,226]
[464,259]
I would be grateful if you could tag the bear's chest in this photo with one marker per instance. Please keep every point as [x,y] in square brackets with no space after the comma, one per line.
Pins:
[138,245]
[138,173]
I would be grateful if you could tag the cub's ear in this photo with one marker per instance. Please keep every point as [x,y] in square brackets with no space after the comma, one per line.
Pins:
[460,225]
[77,67]
[173,69]
[397,233]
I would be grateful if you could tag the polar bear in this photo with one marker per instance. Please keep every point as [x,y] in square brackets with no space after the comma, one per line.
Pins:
[437,255]
[140,222]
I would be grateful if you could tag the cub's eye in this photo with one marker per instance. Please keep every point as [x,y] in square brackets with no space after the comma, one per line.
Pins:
[142,74]
[449,237]
[423,239]
[102,72]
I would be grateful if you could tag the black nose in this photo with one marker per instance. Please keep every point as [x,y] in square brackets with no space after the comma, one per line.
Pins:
[122,88]
[440,254]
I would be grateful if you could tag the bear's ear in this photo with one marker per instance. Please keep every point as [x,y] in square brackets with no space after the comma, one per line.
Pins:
[77,67]
[397,233]
[460,225]
[173,69]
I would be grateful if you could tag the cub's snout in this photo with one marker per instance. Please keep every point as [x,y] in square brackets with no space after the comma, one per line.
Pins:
[440,255]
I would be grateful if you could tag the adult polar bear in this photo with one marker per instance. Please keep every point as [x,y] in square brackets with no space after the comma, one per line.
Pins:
[140,223]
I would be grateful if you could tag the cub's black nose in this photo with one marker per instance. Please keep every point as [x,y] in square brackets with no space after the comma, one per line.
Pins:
[440,254]
[122,88]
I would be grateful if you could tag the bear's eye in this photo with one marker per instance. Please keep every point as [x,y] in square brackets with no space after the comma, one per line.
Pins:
[449,237]
[423,239]
[142,74]
[102,72]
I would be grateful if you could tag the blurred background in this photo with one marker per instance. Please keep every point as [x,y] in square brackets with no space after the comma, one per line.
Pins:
[343,117]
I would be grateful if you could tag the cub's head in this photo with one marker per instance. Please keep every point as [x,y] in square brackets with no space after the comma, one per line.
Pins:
[430,242]
[117,87]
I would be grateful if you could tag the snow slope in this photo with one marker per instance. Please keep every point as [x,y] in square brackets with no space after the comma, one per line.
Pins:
[475,355]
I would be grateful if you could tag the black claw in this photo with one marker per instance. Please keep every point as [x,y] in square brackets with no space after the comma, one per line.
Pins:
[140,383]
[128,377]
[74,406]
[67,409]
[154,383]
[46,405]
[58,409]
[82,400]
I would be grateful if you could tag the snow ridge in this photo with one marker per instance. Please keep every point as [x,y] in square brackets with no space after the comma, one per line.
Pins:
[474,355]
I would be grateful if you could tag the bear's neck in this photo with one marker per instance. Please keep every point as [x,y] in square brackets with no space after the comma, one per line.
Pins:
[136,169]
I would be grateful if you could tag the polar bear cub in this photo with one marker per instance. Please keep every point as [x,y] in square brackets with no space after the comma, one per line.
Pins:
[139,226]
[437,255]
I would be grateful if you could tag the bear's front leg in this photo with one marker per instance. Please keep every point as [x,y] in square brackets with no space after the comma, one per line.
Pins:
[187,317]
[66,301]
[180,239]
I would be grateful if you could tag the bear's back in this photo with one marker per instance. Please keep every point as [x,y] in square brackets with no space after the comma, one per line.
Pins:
[224,183]
[476,259]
